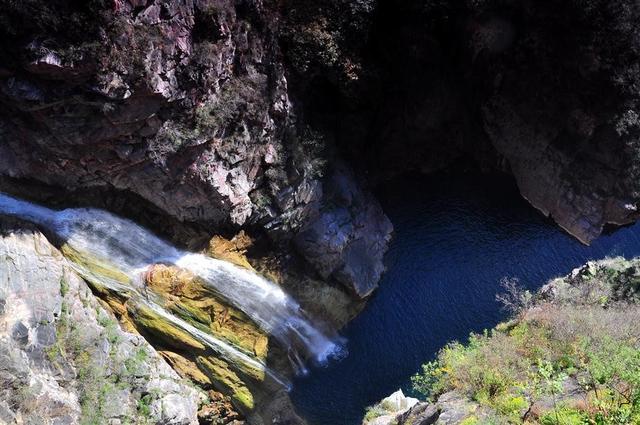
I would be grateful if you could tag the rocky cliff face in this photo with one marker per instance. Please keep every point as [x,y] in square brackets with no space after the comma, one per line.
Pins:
[185,104]
[234,113]
[63,356]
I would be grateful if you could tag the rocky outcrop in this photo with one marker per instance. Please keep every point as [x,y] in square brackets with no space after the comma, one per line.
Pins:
[563,112]
[390,407]
[235,114]
[63,358]
[450,409]
[204,337]
[345,238]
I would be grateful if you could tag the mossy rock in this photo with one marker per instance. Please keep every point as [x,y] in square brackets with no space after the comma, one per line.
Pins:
[228,382]
[149,322]
[189,297]
[93,266]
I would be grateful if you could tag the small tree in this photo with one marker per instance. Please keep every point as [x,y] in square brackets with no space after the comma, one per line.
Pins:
[428,383]
[515,299]
[548,382]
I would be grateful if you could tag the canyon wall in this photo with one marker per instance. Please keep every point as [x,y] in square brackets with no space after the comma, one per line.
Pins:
[279,117]
[252,114]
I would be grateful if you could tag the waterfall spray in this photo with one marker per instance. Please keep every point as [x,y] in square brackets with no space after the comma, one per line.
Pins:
[133,249]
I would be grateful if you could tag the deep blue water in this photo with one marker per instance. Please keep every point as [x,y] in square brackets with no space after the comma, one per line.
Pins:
[455,238]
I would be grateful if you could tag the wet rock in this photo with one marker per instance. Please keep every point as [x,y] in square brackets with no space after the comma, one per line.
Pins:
[339,242]
[202,337]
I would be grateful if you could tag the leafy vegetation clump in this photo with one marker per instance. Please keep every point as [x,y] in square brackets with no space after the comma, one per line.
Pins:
[559,361]
[380,409]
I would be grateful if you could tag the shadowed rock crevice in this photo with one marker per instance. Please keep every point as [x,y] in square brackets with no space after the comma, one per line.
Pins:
[546,92]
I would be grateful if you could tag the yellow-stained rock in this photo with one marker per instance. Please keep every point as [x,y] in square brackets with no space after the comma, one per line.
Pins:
[186,368]
[233,250]
[94,266]
[150,322]
[188,297]
[185,295]
[227,382]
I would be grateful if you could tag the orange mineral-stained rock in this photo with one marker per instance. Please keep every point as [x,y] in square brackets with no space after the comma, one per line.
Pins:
[188,297]
[232,250]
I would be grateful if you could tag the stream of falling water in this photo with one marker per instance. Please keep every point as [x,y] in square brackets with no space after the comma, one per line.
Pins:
[134,249]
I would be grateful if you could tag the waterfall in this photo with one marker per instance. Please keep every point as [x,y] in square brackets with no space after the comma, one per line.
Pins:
[133,249]
[222,348]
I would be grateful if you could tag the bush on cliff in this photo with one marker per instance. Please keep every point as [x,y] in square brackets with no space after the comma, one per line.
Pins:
[560,361]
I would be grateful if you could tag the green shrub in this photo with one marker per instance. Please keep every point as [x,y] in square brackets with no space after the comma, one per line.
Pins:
[428,383]
[471,420]
[580,336]
[565,416]
[64,286]
[134,364]
[511,406]
[144,405]
[373,412]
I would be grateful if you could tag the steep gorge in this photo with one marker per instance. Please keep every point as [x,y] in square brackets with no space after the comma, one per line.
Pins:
[546,92]
[203,117]
[235,114]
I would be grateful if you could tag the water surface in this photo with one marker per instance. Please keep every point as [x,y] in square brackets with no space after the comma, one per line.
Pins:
[455,239]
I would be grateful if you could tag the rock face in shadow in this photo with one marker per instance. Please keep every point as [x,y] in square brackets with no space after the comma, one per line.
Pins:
[547,92]
[563,107]
[63,357]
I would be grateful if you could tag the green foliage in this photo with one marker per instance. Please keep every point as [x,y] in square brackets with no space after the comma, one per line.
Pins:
[614,368]
[98,379]
[373,412]
[471,420]
[531,359]
[427,383]
[134,364]
[565,416]
[110,328]
[383,408]
[64,286]
[217,117]
[546,380]
[144,405]
[68,339]
[511,406]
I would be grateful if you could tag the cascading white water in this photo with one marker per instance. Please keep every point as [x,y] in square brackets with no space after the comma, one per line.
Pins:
[220,347]
[132,248]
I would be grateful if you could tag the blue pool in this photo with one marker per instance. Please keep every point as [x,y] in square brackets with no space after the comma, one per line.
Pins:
[455,239]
